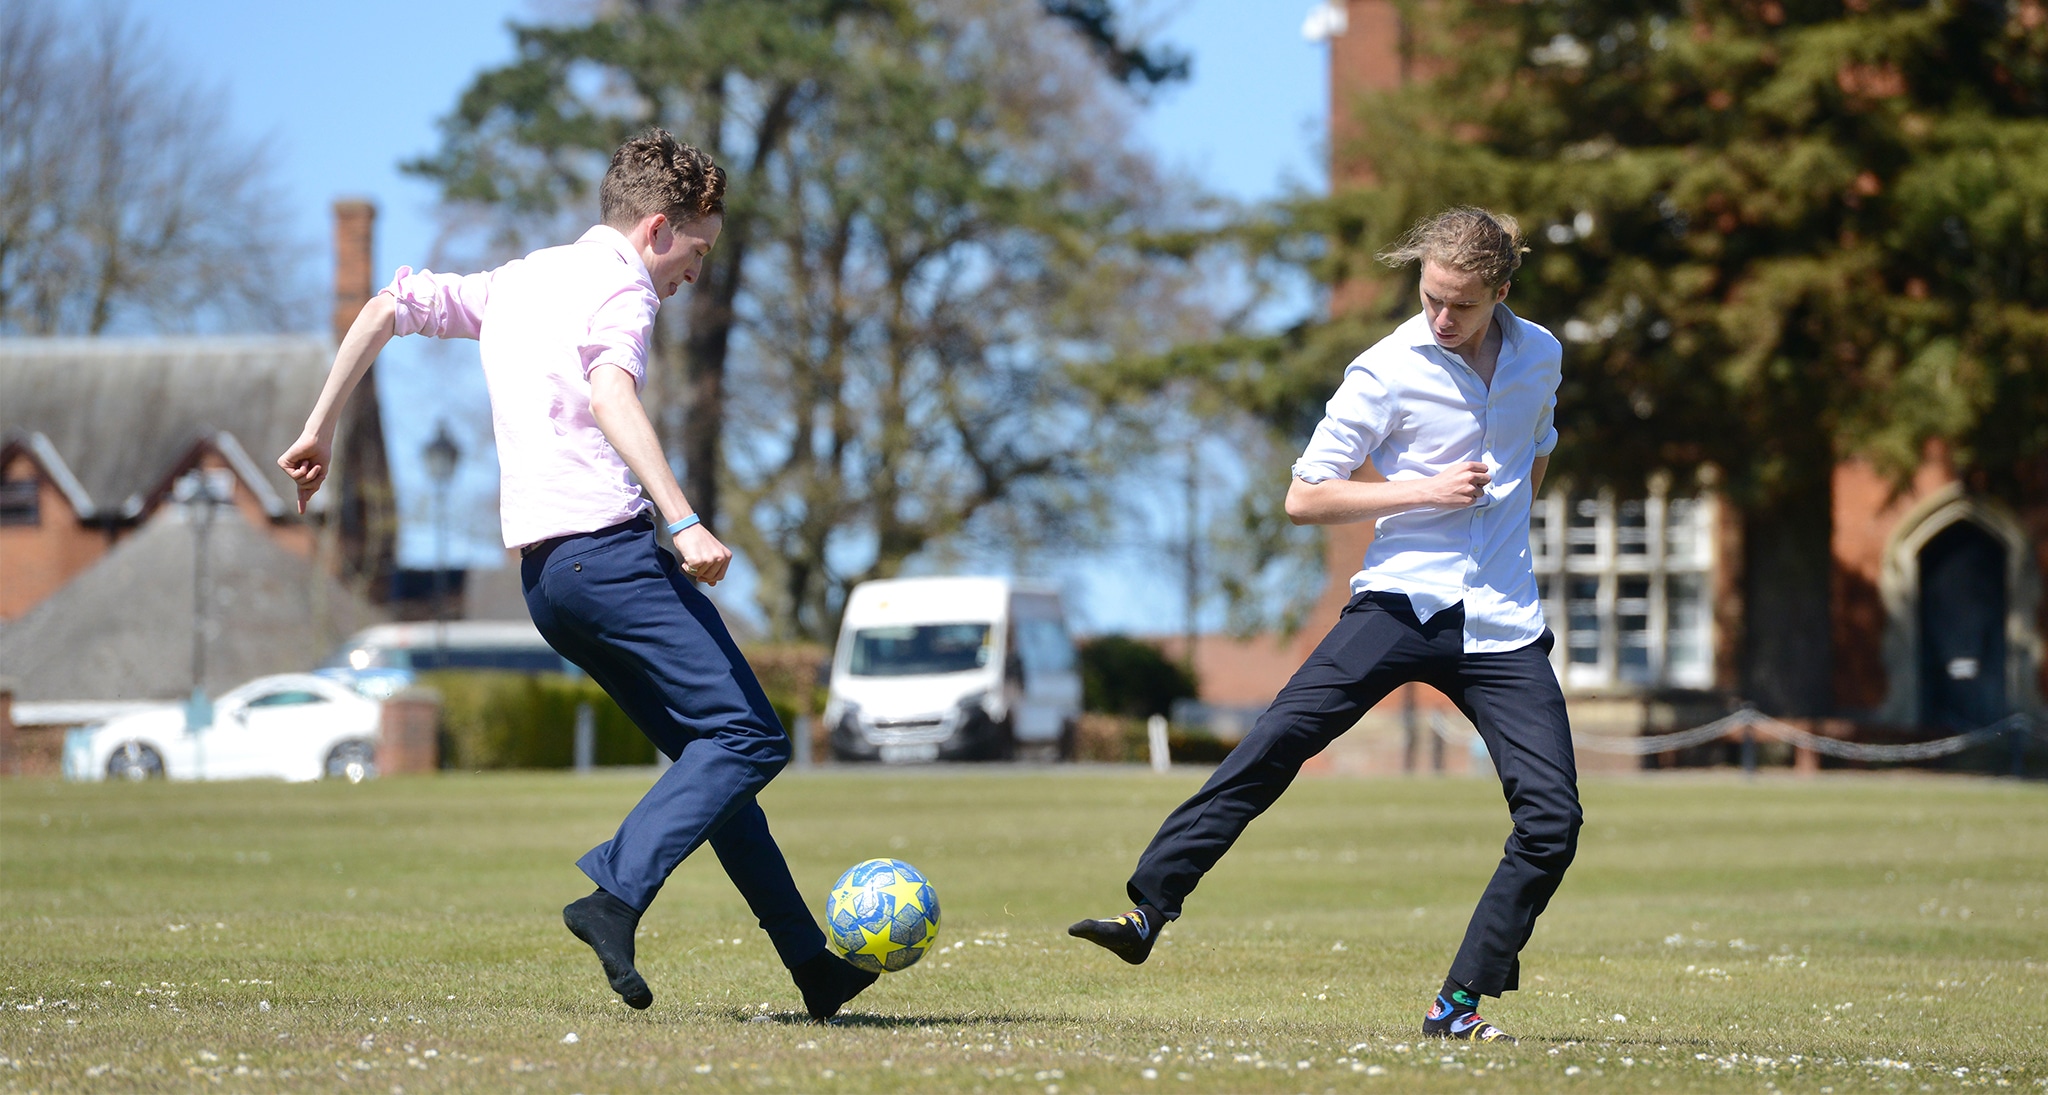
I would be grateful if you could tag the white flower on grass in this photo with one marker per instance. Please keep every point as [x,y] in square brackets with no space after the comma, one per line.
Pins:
[1150,1074]
[262,1005]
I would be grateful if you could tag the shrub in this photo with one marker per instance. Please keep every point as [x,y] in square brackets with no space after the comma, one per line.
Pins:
[492,719]
[517,720]
[1121,739]
[789,673]
[1125,676]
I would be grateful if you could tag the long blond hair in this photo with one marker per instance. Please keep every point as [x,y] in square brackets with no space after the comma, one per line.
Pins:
[1465,238]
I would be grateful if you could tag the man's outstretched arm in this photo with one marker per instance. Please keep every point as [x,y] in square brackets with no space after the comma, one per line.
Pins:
[309,458]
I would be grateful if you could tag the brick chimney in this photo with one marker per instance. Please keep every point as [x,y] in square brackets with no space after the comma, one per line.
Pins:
[1371,53]
[355,223]
[366,517]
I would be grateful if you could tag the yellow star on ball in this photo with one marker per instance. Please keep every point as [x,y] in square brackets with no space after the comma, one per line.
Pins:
[878,945]
[906,894]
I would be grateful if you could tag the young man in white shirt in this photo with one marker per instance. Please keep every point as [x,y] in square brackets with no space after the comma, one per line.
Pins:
[563,334]
[1455,410]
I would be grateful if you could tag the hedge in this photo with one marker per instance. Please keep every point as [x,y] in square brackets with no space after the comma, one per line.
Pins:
[519,720]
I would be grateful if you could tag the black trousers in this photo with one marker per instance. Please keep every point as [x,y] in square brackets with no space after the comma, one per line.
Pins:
[1378,644]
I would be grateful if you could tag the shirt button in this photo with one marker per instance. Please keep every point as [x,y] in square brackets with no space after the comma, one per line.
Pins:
[577,567]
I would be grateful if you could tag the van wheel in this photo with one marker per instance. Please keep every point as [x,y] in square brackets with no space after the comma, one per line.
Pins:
[1004,745]
[135,761]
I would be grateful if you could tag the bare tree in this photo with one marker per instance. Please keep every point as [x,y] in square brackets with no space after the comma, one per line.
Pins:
[951,242]
[125,203]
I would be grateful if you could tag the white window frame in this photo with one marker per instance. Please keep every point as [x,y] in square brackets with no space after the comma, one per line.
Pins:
[1608,566]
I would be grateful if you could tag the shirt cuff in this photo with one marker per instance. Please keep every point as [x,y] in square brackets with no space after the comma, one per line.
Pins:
[411,316]
[631,363]
[1312,473]
[1548,444]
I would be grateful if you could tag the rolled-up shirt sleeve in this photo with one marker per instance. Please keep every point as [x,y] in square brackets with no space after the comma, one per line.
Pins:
[619,330]
[439,305]
[1546,427]
[1354,423]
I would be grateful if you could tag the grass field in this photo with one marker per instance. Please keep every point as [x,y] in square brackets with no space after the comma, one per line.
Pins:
[1849,934]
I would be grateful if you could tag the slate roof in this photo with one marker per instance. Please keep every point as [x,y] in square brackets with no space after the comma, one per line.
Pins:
[118,414]
[122,630]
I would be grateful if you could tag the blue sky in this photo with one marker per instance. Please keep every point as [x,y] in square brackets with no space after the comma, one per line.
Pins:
[343,93]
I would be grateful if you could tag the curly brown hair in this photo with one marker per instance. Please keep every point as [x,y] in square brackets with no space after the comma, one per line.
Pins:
[1466,238]
[655,173]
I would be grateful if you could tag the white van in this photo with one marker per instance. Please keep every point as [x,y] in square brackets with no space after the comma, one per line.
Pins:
[952,669]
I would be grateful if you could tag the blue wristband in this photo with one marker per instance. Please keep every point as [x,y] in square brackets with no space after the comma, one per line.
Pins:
[684,523]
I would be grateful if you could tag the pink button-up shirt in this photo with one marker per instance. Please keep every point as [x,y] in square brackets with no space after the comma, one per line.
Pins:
[543,324]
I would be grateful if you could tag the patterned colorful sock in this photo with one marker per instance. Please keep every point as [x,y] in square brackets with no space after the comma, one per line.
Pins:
[1455,1014]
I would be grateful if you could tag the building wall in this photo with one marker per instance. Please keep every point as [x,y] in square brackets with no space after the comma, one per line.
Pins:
[37,560]
[1867,510]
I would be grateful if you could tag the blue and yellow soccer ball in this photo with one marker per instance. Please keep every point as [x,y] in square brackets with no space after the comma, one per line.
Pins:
[883,915]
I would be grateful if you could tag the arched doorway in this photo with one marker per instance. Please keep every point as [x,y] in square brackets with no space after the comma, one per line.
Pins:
[1962,613]
[1963,643]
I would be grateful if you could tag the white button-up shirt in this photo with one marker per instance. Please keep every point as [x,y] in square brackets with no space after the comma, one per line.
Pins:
[1414,409]
[544,323]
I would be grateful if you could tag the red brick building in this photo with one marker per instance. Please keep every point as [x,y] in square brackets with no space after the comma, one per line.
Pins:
[95,433]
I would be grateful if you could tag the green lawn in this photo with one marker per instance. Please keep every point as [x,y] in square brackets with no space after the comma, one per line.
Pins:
[1846,934]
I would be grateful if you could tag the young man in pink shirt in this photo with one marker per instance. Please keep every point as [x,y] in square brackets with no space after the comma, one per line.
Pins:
[563,335]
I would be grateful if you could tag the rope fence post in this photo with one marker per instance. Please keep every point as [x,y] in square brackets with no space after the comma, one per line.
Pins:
[1805,761]
[2022,728]
[1749,749]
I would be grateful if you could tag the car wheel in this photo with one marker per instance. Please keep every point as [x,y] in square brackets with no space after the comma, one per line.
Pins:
[354,761]
[135,761]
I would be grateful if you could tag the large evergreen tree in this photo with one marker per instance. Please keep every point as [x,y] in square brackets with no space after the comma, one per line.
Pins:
[1774,234]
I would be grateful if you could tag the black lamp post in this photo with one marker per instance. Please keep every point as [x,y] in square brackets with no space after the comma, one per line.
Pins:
[442,455]
[198,493]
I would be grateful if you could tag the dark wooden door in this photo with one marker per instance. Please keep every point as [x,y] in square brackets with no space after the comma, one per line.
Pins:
[1962,628]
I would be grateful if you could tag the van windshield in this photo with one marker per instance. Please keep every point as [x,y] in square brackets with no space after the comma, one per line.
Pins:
[912,650]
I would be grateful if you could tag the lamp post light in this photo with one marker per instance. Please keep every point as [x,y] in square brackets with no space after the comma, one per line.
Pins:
[442,455]
[198,492]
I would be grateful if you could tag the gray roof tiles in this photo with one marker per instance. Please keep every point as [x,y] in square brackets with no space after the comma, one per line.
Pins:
[119,413]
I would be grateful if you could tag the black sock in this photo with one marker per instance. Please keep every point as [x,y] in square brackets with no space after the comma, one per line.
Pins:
[1459,997]
[827,982]
[606,923]
[1129,937]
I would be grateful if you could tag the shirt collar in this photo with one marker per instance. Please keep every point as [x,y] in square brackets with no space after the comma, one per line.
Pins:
[1511,329]
[616,240]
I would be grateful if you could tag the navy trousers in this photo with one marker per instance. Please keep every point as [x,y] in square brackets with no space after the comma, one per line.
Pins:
[618,606]
[1378,645]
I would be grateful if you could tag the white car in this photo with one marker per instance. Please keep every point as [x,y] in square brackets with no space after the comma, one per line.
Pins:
[293,726]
